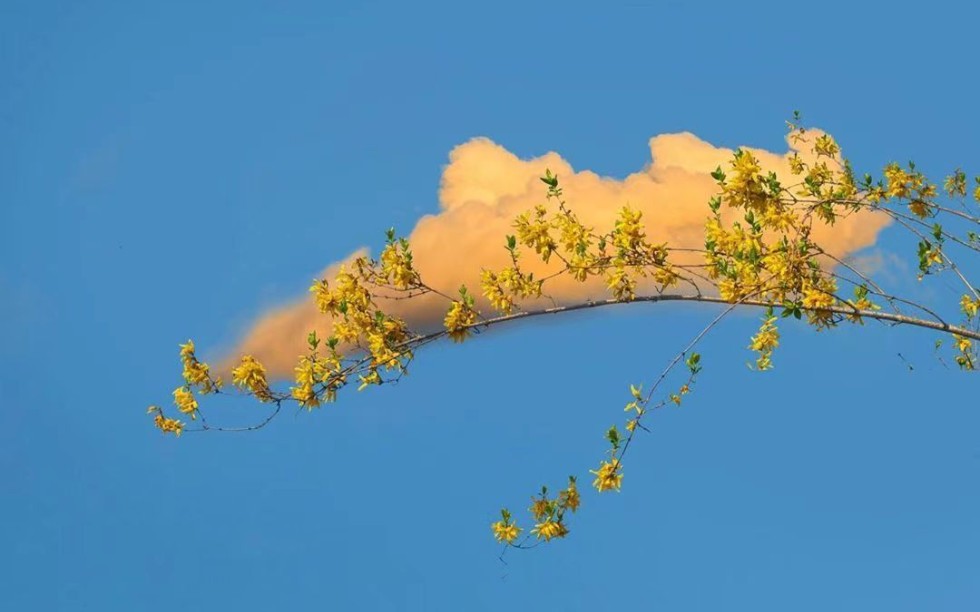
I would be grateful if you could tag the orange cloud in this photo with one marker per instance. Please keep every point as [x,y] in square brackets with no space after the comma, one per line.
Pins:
[484,187]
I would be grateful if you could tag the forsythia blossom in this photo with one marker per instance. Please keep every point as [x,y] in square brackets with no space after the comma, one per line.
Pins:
[969,306]
[765,342]
[459,317]
[185,401]
[505,532]
[163,423]
[608,476]
[569,498]
[251,375]
[550,529]
[308,373]
[195,372]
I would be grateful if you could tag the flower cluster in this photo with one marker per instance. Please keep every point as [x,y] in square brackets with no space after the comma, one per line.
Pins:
[195,372]
[250,375]
[609,476]
[185,401]
[396,263]
[505,530]
[967,358]
[765,342]
[534,230]
[164,424]
[502,288]
[461,316]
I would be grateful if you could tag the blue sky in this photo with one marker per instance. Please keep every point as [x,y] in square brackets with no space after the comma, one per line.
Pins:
[173,170]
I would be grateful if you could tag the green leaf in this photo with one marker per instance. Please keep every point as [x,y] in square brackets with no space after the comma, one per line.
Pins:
[613,436]
[549,179]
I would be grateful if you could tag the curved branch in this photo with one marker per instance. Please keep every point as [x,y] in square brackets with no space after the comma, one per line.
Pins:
[870,314]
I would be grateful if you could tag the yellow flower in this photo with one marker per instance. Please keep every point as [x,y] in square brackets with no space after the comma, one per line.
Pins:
[570,497]
[325,300]
[196,372]
[818,298]
[308,373]
[955,184]
[745,165]
[765,342]
[505,532]
[608,476]
[499,300]
[622,285]
[628,234]
[167,425]
[536,233]
[251,375]
[919,208]
[459,317]
[550,529]
[969,306]
[539,508]
[373,378]
[187,350]
[744,188]
[963,344]
[397,265]
[825,145]
[381,353]
[796,165]
[767,338]
[666,277]
[185,401]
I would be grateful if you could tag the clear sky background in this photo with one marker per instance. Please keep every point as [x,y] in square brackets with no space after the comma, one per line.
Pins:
[172,170]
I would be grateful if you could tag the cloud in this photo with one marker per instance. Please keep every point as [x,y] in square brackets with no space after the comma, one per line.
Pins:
[879,263]
[485,186]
